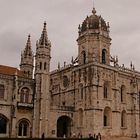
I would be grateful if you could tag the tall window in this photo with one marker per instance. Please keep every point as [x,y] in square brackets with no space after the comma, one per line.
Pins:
[2,91]
[40,65]
[123,94]
[23,129]
[106,90]
[24,97]
[3,125]
[45,66]
[80,118]
[81,91]
[123,118]
[107,117]
[84,57]
[104,56]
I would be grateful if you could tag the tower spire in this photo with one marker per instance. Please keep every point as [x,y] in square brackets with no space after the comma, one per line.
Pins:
[44,38]
[28,50]
[27,59]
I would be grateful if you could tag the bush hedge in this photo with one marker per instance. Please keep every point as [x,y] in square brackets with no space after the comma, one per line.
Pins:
[44,138]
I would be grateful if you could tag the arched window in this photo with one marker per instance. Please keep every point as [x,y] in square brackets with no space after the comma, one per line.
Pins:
[3,125]
[45,65]
[24,97]
[104,56]
[80,117]
[23,128]
[40,65]
[2,91]
[123,93]
[107,117]
[123,119]
[106,90]
[28,73]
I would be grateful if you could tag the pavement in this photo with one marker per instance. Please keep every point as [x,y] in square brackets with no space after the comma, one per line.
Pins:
[121,138]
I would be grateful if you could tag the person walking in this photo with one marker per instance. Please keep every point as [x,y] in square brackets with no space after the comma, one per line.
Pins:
[99,136]
[90,137]
[43,136]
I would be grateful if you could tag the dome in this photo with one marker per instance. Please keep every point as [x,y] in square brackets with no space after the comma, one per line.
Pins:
[93,22]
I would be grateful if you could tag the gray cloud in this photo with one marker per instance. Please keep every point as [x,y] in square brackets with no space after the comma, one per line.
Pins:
[21,17]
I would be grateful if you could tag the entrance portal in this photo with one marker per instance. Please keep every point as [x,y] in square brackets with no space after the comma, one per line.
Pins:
[63,126]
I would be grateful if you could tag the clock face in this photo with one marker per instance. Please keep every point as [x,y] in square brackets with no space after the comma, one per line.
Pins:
[65,81]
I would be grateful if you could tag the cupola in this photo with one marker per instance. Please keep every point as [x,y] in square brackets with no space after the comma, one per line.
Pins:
[94,23]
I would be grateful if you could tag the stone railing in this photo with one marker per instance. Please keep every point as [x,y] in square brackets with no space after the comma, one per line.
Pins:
[26,105]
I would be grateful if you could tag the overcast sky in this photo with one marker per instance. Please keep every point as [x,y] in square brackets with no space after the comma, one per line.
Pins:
[18,18]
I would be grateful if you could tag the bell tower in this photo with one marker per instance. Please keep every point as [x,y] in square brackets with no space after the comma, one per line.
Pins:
[94,40]
[42,78]
[42,56]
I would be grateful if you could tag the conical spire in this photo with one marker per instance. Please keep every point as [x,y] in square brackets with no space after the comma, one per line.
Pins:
[44,38]
[28,50]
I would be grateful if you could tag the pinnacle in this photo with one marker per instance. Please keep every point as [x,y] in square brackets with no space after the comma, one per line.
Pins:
[44,29]
[28,41]
[45,23]
[29,37]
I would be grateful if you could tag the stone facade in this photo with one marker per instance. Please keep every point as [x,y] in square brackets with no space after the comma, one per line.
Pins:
[93,94]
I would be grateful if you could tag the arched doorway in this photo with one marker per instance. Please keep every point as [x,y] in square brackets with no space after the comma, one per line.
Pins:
[64,126]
